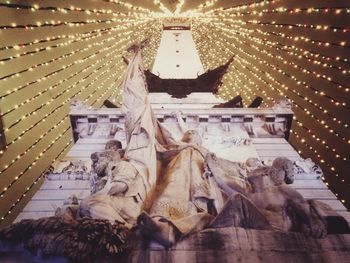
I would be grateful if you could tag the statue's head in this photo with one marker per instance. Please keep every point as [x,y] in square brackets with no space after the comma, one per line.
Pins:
[283,171]
[100,161]
[279,173]
[114,145]
[192,136]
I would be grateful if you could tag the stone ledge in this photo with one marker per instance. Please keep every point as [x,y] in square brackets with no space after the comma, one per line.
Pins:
[229,244]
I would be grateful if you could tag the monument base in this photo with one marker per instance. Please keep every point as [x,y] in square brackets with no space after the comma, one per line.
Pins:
[229,244]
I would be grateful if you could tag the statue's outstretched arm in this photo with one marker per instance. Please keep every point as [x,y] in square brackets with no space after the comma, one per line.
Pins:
[180,121]
[229,185]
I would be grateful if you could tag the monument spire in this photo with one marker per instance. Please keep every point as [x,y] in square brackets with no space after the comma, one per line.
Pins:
[177,56]
[177,68]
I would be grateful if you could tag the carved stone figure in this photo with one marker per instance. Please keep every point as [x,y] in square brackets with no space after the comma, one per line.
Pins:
[184,198]
[267,194]
[114,145]
[130,181]
[100,162]
[122,197]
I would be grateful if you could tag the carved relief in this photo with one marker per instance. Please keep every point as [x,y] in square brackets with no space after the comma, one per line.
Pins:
[307,166]
[71,170]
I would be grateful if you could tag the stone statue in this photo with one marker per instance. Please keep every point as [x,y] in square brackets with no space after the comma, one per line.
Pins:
[122,197]
[135,184]
[100,162]
[114,145]
[180,169]
[268,201]
[168,189]
[127,182]
[184,198]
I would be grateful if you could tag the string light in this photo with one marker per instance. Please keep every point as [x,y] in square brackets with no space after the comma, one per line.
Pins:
[61,83]
[324,164]
[2,218]
[284,73]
